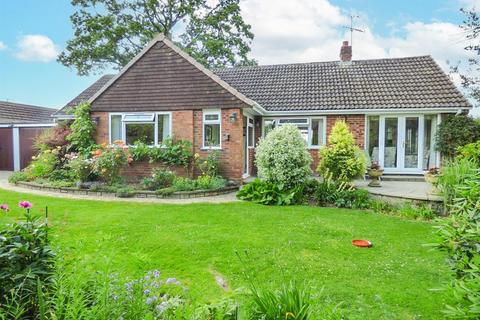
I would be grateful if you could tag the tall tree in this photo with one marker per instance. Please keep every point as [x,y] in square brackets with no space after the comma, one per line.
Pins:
[109,33]
[469,71]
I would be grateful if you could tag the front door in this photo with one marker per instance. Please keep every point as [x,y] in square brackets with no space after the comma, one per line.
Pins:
[401,143]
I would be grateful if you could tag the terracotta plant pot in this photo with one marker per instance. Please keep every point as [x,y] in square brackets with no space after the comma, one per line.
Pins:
[362,243]
[374,175]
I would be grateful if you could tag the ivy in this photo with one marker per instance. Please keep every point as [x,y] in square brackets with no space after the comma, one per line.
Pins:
[81,138]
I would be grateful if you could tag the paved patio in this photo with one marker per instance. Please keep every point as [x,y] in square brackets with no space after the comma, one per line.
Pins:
[401,190]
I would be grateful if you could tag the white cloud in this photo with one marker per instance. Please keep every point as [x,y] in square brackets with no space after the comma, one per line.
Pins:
[3,46]
[312,30]
[470,3]
[36,48]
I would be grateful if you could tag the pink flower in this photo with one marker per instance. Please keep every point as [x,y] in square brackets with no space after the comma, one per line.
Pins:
[25,205]
[4,207]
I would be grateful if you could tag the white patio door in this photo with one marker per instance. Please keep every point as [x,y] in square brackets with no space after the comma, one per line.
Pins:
[401,143]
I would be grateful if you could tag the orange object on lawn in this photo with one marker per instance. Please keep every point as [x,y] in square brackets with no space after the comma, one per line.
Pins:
[362,243]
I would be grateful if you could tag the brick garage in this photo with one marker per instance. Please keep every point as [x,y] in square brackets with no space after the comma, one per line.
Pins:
[20,125]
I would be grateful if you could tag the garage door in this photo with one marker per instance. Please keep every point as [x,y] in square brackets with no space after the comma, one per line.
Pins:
[6,149]
[27,141]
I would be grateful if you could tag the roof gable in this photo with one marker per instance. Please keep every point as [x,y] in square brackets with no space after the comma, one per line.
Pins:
[164,77]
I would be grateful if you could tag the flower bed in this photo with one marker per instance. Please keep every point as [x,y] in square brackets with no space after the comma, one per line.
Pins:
[134,194]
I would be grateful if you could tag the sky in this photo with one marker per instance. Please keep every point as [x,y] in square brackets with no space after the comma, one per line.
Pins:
[33,32]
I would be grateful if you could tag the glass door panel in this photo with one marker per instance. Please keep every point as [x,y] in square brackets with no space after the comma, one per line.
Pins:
[390,142]
[411,142]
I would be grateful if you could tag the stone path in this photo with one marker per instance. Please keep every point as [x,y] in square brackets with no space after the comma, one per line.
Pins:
[229,197]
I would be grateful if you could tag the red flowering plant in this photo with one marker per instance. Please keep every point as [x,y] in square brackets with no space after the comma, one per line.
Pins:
[433,171]
[109,160]
[4,207]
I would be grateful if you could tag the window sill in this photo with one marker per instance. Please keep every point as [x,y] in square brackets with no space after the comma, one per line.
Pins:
[210,148]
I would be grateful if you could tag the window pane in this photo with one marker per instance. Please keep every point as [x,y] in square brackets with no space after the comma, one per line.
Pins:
[373,137]
[293,121]
[163,127]
[268,125]
[250,136]
[304,132]
[317,132]
[138,117]
[116,128]
[411,142]
[212,135]
[391,135]
[141,132]
[429,154]
[211,117]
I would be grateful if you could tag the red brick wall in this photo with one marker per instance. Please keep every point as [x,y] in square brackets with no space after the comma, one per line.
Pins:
[137,170]
[231,154]
[188,125]
[356,122]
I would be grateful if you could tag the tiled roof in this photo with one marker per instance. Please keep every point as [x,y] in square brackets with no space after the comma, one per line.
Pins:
[85,94]
[413,82]
[11,113]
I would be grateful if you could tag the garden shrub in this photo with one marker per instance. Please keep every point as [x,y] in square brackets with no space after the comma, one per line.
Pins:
[109,160]
[282,158]
[184,184]
[209,166]
[82,128]
[268,193]
[352,198]
[207,182]
[460,239]
[423,212]
[470,152]
[18,176]
[141,151]
[453,174]
[26,263]
[53,137]
[81,167]
[292,301]
[160,179]
[171,153]
[125,192]
[454,132]
[43,164]
[342,158]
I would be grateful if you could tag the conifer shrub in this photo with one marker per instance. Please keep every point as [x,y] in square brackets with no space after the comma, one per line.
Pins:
[341,158]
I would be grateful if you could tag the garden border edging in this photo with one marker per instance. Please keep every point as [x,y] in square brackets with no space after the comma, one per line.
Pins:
[135,194]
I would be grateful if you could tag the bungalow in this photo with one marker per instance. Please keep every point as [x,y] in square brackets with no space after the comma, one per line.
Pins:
[20,124]
[393,106]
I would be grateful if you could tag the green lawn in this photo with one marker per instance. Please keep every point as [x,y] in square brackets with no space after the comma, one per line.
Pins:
[393,280]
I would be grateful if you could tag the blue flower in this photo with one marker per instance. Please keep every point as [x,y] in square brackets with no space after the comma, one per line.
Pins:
[146,292]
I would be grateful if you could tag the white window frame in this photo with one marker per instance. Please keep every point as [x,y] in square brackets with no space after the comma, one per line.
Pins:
[307,123]
[250,125]
[206,112]
[124,123]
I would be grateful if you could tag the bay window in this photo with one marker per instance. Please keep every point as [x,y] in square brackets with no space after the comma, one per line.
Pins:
[312,129]
[212,129]
[149,128]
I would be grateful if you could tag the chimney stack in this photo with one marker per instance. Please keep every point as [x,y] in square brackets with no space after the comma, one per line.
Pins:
[346,52]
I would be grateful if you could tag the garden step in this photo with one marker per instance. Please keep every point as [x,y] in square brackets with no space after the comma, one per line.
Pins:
[410,178]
